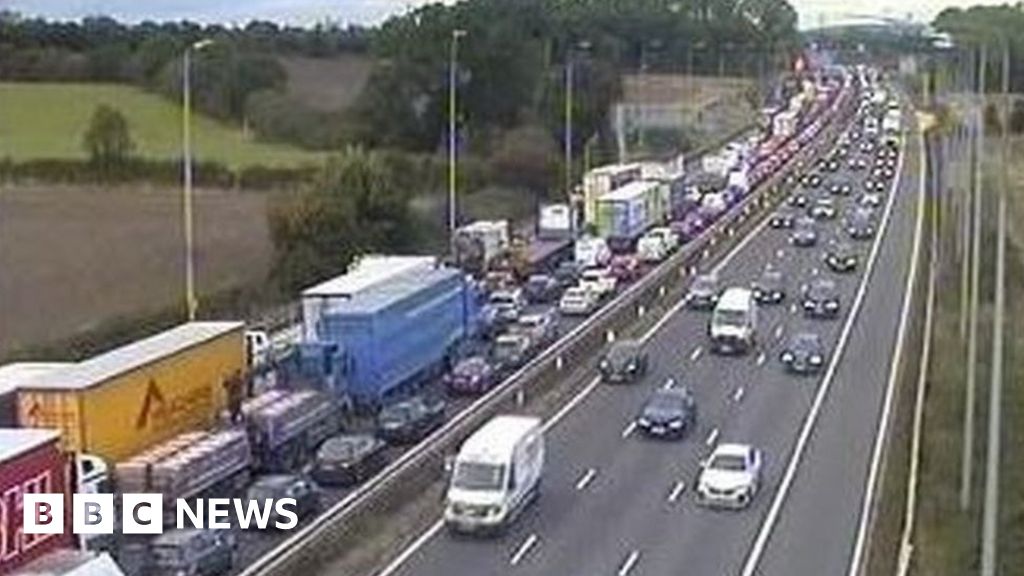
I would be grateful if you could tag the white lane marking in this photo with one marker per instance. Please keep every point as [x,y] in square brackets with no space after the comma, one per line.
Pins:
[768,524]
[779,329]
[696,353]
[738,394]
[575,401]
[761,358]
[629,563]
[586,479]
[668,384]
[629,429]
[883,422]
[523,549]
[677,491]
[411,549]
[712,437]
[792,308]
[815,271]
[780,253]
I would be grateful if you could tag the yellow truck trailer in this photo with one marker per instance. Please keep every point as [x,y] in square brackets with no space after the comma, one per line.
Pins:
[121,402]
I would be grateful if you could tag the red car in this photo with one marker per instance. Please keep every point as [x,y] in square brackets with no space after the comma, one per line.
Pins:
[625,267]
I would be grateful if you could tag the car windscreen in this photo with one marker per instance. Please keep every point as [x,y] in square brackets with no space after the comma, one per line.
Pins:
[477,476]
[729,462]
[806,342]
[821,290]
[503,299]
[621,353]
[504,348]
[398,413]
[726,317]
[703,284]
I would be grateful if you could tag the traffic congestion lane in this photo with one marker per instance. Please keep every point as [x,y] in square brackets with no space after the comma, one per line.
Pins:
[819,523]
[693,332]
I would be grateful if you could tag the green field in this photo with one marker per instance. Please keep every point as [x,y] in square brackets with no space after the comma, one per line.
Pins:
[47,120]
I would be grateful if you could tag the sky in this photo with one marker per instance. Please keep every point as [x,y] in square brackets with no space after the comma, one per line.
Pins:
[305,12]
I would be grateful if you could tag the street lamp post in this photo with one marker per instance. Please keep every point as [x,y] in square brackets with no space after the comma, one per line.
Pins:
[453,65]
[191,302]
[568,129]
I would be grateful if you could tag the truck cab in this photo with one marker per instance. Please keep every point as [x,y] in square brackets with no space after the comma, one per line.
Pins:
[495,475]
[734,322]
[591,251]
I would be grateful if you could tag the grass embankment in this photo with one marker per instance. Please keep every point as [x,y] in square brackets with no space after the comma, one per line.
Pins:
[47,121]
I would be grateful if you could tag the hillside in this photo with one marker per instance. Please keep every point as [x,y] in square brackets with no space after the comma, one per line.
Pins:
[47,120]
[327,84]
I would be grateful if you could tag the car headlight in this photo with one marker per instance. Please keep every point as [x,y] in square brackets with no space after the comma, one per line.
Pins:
[816,359]
[832,305]
[631,367]
[787,357]
[603,365]
[643,421]
[809,304]
[675,424]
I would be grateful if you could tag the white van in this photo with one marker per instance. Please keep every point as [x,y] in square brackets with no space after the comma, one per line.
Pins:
[657,244]
[734,322]
[591,252]
[495,475]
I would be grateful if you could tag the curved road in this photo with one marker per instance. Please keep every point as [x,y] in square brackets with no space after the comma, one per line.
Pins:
[617,503]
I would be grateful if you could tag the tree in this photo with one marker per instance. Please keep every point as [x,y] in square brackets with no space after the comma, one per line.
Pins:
[108,140]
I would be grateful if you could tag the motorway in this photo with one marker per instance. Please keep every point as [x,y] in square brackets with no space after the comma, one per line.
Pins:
[616,503]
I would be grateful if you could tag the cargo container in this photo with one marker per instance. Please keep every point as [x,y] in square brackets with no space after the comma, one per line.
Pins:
[394,334]
[622,215]
[603,180]
[31,462]
[363,275]
[479,244]
[189,465]
[18,375]
[117,404]
[285,426]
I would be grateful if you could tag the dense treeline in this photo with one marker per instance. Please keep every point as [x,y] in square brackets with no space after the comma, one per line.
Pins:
[991,26]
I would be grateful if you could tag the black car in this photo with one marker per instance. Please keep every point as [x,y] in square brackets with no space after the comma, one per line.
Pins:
[840,189]
[860,224]
[797,200]
[822,209]
[804,233]
[812,180]
[832,165]
[192,552]
[278,486]
[703,293]
[410,420]
[670,412]
[541,288]
[625,361]
[857,164]
[770,287]
[841,257]
[348,459]
[804,353]
[782,219]
[821,299]
[473,375]
[568,273]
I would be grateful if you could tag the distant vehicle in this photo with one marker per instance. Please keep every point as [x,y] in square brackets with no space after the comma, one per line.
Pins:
[804,353]
[797,200]
[821,299]
[192,552]
[812,180]
[703,293]
[733,326]
[410,420]
[625,268]
[508,304]
[568,273]
[840,189]
[769,287]
[268,489]
[860,224]
[651,248]
[668,236]
[578,301]
[870,200]
[496,280]
[541,289]
[495,475]
[822,209]
[472,375]
[600,281]
[670,412]
[541,327]
[783,219]
[692,224]
[857,164]
[348,459]
[841,257]
[625,361]
[511,350]
[730,477]
[804,233]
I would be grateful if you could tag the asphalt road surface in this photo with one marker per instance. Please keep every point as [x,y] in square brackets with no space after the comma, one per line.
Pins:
[614,502]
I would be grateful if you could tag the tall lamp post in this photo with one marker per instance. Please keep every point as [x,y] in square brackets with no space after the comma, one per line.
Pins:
[568,129]
[453,78]
[191,303]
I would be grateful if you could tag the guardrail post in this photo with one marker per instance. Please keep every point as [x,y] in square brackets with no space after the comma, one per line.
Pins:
[559,362]
[640,311]
[520,397]
[662,290]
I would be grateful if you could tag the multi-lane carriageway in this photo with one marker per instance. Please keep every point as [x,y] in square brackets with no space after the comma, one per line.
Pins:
[616,503]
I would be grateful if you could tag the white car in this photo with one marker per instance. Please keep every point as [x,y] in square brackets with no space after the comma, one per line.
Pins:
[870,200]
[667,235]
[600,281]
[577,301]
[651,249]
[730,477]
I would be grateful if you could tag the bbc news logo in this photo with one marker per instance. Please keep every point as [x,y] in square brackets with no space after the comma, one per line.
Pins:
[144,514]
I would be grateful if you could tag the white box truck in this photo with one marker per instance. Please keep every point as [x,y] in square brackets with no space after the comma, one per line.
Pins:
[733,325]
[495,475]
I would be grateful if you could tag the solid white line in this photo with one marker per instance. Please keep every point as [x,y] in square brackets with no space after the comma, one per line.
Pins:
[696,354]
[778,331]
[523,549]
[677,491]
[411,549]
[629,429]
[768,524]
[738,394]
[586,479]
[629,563]
[712,437]
[890,393]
